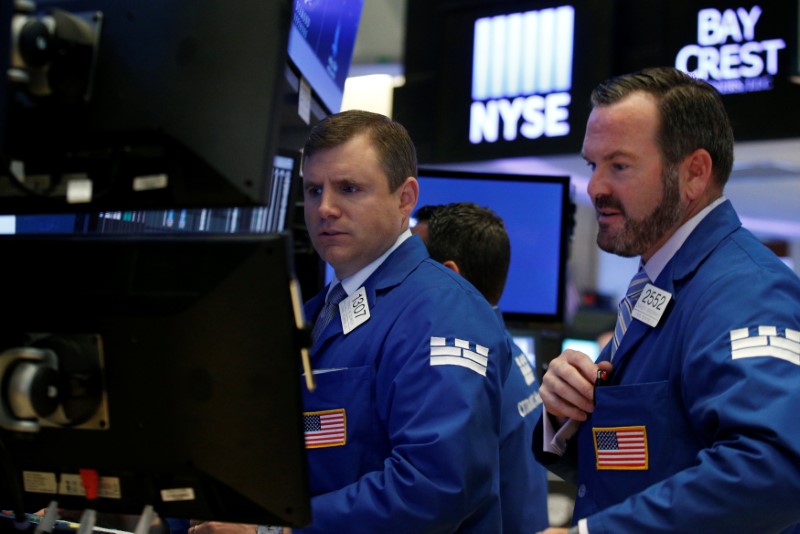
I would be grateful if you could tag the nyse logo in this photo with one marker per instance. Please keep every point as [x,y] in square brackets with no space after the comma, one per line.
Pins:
[521,75]
[728,54]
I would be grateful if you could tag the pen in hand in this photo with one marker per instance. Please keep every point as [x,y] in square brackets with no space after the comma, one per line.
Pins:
[599,381]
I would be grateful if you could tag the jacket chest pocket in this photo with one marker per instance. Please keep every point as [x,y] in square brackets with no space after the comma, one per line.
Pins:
[634,438]
[340,435]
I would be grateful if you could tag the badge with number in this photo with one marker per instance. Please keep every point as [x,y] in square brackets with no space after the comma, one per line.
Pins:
[651,305]
[354,310]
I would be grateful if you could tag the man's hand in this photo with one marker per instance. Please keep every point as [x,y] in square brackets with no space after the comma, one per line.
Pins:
[568,385]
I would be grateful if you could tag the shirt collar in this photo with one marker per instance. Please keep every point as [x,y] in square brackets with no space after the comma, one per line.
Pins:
[659,260]
[353,282]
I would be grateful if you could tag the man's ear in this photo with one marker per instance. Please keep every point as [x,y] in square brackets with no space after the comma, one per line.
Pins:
[697,174]
[450,264]
[409,194]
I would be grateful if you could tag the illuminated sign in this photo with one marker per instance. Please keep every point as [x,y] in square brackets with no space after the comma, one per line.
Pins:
[522,75]
[488,80]
[728,55]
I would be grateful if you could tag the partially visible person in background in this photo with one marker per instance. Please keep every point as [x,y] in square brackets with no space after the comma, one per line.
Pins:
[472,241]
[422,216]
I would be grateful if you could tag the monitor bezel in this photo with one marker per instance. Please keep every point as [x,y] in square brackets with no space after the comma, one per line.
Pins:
[201,359]
[522,318]
[163,125]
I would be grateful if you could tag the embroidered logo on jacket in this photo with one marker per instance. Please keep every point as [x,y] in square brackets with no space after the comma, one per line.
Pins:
[526,369]
[325,429]
[766,341]
[459,352]
[621,448]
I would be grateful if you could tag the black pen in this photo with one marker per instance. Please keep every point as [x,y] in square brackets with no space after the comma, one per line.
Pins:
[601,377]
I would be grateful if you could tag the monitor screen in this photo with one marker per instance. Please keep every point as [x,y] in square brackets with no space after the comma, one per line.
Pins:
[321,44]
[52,223]
[125,105]
[275,216]
[537,212]
[167,368]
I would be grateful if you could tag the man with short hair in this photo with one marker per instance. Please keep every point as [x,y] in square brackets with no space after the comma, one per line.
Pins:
[688,421]
[409,369]
[472,241]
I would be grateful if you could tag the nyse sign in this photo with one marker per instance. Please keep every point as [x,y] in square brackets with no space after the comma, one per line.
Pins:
[522,75]
[728,53]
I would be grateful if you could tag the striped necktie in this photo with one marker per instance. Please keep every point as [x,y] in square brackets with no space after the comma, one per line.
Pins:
[626,308]
[328,312]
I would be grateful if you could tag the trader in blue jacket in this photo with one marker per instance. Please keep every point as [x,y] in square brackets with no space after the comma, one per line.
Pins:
[402,430]
[689,423]
[472,240]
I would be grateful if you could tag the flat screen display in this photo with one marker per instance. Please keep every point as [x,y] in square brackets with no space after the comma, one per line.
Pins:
[482,83]
[175,361]
[275,216]
[54,223]
[147,104]
[321,43]
[538,217]
[747,51]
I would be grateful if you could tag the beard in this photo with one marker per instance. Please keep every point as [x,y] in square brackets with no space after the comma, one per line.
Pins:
[638,236]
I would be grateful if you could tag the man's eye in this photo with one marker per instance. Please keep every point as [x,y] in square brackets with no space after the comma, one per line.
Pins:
[313,191]
[349,188]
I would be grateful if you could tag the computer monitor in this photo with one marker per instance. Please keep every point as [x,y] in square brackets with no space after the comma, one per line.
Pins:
[168,368]
[165,366]
[126,105]
[321,44]
[538,215]
[277,215]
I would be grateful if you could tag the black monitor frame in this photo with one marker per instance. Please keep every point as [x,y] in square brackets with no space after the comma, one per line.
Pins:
[276,215]
[198,406]
[508,199]
[182,107]
[319,28]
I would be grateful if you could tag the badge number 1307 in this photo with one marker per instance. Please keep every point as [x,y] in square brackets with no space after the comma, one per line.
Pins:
[354,310]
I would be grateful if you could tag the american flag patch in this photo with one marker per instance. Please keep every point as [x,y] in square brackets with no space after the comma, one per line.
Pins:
[325,429]
[783,343]
[459,352]
[621,448]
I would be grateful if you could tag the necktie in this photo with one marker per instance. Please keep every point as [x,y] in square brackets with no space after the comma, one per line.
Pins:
[328,312]
[626,308]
